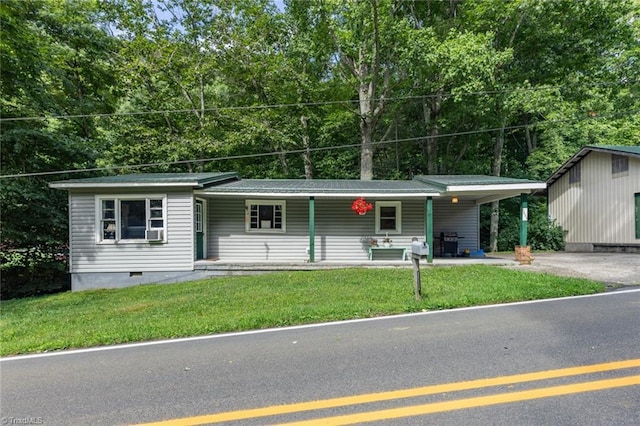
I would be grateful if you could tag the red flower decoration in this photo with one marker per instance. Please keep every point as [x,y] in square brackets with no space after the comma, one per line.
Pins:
[360,206]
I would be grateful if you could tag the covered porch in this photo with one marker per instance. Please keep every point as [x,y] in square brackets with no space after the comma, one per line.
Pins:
[291,224]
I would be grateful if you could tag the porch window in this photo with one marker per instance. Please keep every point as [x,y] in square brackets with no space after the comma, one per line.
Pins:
[265,216]
[123,219]
[388,217]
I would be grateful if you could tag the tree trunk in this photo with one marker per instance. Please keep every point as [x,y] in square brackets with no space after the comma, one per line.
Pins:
[495,206]
[306,155]
[532,142]
[431,112]
[366,149]
[366,94]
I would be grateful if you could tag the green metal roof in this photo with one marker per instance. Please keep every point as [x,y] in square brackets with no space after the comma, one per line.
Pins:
[476,186]
[147,179]
[633,151]
[445,182]
[323,186]
[617,149]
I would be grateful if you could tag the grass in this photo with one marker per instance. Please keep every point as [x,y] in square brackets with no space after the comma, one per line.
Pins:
[103,317]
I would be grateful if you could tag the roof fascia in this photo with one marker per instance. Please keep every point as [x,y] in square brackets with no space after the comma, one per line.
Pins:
[497,187]
[88,185]
[318,194]
[501,196]
[610,150]
[577,157]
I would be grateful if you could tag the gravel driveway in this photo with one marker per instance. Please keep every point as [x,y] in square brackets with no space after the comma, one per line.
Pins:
[615,269]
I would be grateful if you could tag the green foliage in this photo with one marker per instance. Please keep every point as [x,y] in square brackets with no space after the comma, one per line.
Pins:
[273,93]
[31,272]
[218,305]
[542,233]
[545,234]
[55,60]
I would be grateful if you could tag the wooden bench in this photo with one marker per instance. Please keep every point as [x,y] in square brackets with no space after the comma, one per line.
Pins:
[401,250]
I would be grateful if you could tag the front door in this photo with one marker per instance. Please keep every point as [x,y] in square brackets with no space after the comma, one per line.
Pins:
[199,227]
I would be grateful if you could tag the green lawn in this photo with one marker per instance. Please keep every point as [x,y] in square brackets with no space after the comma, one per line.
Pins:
[102,317]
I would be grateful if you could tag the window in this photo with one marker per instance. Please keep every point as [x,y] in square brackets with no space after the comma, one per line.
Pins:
[199,217]
[388,217]
[265,216]
[131,219]
[619,164]
[574,173]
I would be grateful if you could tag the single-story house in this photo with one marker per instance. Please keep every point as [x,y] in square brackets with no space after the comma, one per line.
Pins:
[595,197]
[144,228]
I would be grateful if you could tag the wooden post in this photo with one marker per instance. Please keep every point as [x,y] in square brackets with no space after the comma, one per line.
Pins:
[416,277]
[429,228]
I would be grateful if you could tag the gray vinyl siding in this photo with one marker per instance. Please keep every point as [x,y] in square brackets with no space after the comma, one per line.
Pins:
[600,208]
[340,235]
[89,256]
[462,218]
[227,238]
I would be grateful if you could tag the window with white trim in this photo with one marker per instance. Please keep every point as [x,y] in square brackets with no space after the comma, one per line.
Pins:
[388,217]
[131,218]
[265,216]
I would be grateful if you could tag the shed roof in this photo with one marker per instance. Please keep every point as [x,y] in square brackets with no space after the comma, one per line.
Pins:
[633,151]
[196,180]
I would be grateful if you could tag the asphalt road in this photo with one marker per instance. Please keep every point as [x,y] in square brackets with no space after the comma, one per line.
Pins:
[233,373]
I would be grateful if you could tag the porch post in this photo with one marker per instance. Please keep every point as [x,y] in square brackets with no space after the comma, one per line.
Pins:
[524,218]
[428,226]
[312,229]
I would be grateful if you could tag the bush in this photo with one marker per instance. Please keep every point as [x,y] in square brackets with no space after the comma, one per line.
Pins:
[542,233]
[545,234]
[33,271]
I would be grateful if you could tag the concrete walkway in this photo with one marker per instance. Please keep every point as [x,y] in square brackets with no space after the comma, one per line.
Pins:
[614,269]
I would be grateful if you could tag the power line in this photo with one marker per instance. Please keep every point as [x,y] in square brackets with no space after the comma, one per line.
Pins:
[299,151]
[301,104]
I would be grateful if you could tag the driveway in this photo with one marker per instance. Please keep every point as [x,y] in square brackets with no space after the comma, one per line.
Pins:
[615,269]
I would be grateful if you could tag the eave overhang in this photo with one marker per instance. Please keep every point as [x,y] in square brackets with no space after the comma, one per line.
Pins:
[586,150]
[141,181]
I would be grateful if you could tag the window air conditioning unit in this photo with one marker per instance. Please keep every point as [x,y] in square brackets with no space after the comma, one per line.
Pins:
[153,234]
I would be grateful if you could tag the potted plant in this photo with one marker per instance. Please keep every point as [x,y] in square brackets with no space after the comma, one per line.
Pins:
[386,241]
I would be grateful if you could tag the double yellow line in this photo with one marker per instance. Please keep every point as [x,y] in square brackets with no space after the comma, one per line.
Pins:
[430,390]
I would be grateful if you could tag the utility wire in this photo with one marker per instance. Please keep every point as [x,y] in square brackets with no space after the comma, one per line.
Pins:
[302,150]
[299,104]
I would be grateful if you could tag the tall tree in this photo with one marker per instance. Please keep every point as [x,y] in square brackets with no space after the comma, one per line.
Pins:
[366,37]
[55,62]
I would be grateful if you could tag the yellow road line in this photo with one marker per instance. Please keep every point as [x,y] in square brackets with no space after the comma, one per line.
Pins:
[390,395]
[480,401]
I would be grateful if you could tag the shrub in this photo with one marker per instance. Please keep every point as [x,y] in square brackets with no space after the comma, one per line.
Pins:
[33,271]
[542,233]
